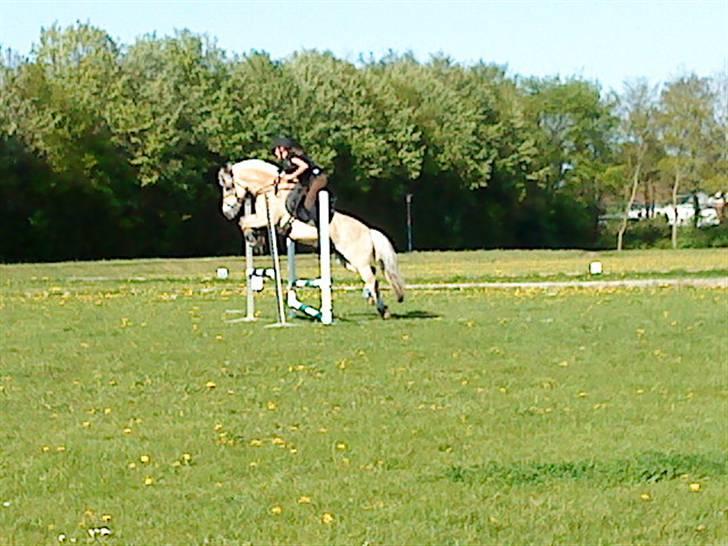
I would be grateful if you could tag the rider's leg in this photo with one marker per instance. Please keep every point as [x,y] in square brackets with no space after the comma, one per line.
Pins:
[316,185]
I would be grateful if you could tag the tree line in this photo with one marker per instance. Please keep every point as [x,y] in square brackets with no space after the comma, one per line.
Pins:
[111,150]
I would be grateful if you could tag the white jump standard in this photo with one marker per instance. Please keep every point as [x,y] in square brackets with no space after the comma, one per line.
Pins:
[323,282]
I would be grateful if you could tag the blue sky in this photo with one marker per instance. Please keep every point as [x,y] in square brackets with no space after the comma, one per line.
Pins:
[608,41]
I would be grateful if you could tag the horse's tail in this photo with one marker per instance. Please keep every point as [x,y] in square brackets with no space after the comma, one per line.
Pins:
[386,256]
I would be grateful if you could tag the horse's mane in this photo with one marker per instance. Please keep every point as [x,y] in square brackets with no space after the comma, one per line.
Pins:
[261,164]
[254,173]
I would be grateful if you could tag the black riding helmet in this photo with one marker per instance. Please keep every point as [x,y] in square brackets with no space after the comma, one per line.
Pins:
[283,142]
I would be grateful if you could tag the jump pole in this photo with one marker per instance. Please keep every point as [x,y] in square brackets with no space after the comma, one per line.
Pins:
[273,241]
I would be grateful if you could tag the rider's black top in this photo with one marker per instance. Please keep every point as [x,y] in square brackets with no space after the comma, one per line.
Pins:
[305,177]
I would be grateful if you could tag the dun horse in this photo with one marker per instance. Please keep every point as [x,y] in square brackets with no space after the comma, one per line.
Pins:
[361,248]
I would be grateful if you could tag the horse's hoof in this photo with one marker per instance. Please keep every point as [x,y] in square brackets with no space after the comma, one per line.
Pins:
[386,313]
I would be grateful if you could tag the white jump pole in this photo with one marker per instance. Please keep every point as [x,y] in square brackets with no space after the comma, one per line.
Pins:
[325,258]
[273,241]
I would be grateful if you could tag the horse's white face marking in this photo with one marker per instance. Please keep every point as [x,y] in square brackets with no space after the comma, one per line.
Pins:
[230,202]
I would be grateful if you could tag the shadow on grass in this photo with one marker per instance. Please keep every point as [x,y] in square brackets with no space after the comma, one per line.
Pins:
[373,316]
[415,314]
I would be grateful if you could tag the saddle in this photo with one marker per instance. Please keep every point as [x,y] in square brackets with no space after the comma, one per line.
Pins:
[294,206]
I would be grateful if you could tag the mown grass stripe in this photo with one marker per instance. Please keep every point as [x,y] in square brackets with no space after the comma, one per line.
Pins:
[648,467]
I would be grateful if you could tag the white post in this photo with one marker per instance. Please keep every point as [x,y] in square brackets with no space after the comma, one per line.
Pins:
[325,258]
[250,294]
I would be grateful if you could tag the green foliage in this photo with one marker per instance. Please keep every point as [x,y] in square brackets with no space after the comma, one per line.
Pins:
[111,150]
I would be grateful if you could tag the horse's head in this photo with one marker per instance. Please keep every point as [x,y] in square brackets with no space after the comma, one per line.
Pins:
[249,177]
[230,202]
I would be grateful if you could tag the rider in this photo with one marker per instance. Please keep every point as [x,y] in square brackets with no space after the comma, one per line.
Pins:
[295,164]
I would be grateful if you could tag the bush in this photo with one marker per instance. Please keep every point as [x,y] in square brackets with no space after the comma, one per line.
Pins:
[710,237]
[656,233]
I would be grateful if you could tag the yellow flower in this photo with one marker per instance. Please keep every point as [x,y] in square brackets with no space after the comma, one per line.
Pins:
[304,500]
[45,449]
[276,510]
[341,446]
[148,480]
[106,518]
[218,427]
[695,487]
[127,430]
[186,457]
[107,411]
[61,449]
[210,385]
[645,496]
[144,458]
[132,466]
[272,406]
[327,518]
[256,443]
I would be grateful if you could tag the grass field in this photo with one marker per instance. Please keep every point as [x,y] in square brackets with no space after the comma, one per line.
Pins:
[474,417]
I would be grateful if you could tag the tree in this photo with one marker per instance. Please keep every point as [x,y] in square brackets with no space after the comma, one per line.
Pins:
[637,127]
[687,127]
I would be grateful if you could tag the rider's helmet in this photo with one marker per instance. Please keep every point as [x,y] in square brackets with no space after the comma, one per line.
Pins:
[283,142]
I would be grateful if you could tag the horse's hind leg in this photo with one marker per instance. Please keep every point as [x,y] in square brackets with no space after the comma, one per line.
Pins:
[371,291]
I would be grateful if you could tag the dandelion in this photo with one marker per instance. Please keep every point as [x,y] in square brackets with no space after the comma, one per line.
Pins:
[272,406]
[255,443]
[327,518]
[61,449]
[218,427]
[186,458]
[106,518]
[210,385]
[107,411]
[695,487]
[276,510]
[341,446]
[127,430]
[148,480]
[131,466]
[145,459]
[646,496]
[304,500]
[45,449]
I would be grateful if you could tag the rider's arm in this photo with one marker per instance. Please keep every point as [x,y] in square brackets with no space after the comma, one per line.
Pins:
[301,167]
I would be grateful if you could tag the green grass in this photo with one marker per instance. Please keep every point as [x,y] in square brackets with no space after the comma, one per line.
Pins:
[474,266]
[474,417]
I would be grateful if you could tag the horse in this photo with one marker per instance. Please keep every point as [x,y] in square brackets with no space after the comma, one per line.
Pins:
[361,249]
